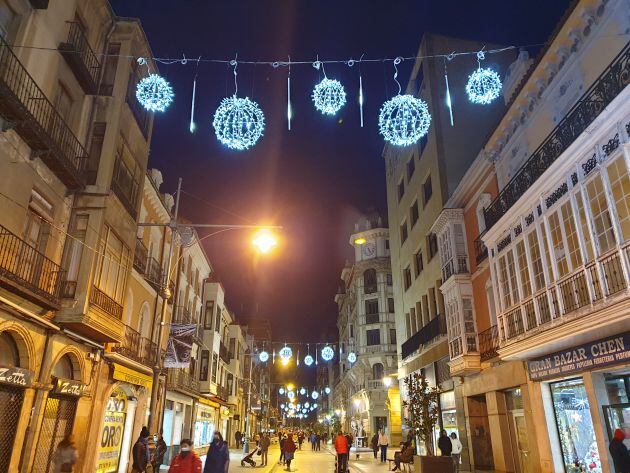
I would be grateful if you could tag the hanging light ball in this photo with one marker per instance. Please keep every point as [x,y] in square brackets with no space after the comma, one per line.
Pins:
[263,356]
[281,391]
[404,119]
[154,93]
[308,360]
[327,353]
[238,123]
[307,404]
[483,86]
[285,353]
[282,406]
[327,390]
[329,96]
[315,406]
[302,391]
[352,357]
[291,394]
[314,395]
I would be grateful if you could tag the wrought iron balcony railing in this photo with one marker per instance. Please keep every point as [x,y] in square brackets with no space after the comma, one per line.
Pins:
[223,353]
[28,271]
[105,303]
[140,257]
[180,379]
[601,93]
[223,392]
[426,334]
[489,343]
[181,315]
[136,347]
[125,187]
[456,265]
[154,273]
[27,109]
[81,58]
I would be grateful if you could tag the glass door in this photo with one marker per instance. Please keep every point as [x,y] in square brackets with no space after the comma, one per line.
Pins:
[522,442]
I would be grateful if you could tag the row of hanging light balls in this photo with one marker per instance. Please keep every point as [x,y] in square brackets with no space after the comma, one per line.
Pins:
[239,122]
[299,409]
[286,353]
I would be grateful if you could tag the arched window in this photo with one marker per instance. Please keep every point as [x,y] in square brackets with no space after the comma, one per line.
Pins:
[369,281]
[64,368]
[9,353]
[377,371]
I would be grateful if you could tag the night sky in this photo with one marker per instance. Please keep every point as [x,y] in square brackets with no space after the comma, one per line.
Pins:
[316,179]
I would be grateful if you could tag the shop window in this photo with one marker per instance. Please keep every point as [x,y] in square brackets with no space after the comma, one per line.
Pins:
[575,426]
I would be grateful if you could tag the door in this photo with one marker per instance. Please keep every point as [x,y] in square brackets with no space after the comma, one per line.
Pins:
[56,424]
[523,458]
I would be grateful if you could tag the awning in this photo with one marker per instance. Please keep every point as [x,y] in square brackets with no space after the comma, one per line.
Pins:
[208,402]
[222,402]
[127,375]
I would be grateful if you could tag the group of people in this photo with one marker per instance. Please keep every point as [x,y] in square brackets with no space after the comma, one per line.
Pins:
[450,446]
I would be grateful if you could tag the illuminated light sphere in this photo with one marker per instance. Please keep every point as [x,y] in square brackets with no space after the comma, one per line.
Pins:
[307,404]
[285,353]
[281,391]
[314,395]
[483,86]
[352,357]
[282,406]
[327,390]
[263,356]
[315,406]
[308,360]
[327,353]
[238,123]
[154,93]
[404,119]
[304,411]
[291,394]
[299,406]
[302,391]
[329,96]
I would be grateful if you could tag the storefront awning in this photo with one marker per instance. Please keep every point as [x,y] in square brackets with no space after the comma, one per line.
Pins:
[127,375]
[209,402]
[222,402]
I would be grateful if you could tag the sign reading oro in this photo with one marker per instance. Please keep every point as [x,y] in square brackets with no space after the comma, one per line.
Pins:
[603,352]
[110,442]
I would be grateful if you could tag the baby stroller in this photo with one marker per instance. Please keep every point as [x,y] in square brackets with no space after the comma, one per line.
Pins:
[249,458]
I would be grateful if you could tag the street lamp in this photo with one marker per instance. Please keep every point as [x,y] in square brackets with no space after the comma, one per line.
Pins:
[360,241]
[264,240]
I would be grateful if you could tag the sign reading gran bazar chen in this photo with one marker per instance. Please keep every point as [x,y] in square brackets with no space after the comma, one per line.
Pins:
[603,352]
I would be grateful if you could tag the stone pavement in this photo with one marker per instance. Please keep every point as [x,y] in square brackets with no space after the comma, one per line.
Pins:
[235,461]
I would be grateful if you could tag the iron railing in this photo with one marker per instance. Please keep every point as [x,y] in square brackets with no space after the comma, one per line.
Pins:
[223,392]
[105,302]
[125,187]
[372,318]
[140,257]
[181,315]
[81,58]
[180,379]
[489,343]
[154,273]
[426,334]
[137,347]
[223,353]
[602,92]
[455,265]
[35,119]
[23,265]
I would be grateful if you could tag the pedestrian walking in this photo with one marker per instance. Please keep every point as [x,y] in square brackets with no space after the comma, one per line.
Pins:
[281,442]
[374,445]
[456,451]
[619,452]
[318,440]
[342,448]
[444,444]
[300,438]
[159,452]
[312,440]
[238,436]
[383,443]
[66,455]
[264,448]
[186,461]
[140,452]
[218,456]
[289,450]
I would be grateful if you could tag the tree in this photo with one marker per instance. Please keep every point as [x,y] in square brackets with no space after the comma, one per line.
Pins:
[422,408]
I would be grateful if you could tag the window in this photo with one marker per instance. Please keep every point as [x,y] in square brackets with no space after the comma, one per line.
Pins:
[373,337]
[433,300]
[537,267]
[203,366]
[64,103]
[414,320]
[407,277]
[602,223]
[559,253]
[73,251]
[432,245]
[408,319]
[96,147]
[209,312]
[369,281]
[512,276]
[413,213]
[389,279]
[351,331]
[523,269]
[423,144]
[620,187]
[215,364]
[427,190]
[387,244]
[377,371]
[411,167]
[109,69]
[570,232]
[401,189]
[217,321]
[418,264]
[7,16]
[390,305]
[392,336]
[113,265]
[403,232]
[503,281]
[371,306]
[584,226]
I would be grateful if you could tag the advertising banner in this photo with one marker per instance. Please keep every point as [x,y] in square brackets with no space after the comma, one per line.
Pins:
[112,433]
[179,346]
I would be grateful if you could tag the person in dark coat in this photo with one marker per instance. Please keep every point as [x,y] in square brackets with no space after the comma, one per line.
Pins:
[140,452]
[289,450]
[281,442]
[238,436]
[444,444]
[159,452]
[619,452]
[218,457]
[374,445]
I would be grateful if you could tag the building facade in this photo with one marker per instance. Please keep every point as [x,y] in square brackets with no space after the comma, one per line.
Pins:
[367,335]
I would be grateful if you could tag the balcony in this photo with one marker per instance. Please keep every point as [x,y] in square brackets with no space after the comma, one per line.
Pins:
[154,274]
[223,392]
[587,108]
[35,119]
[371,318]
[180,380]
[481,251]
[140,257]
[27,271]
[380,348]
[181,315]
[136,347]
[223,353]
[125,187]
[81,58]
[455,265]
[105,303]
[489,343]
[434,329]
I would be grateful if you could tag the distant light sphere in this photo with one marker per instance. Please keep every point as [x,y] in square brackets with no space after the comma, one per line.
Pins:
[263,356]
[404,119]
[483,86]
[285,353]
[154,93]
[352,357]
[329,96]
[327,353]
[238,123]
[308,360]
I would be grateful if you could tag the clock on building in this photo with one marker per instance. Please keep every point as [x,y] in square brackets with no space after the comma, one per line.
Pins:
[369,250]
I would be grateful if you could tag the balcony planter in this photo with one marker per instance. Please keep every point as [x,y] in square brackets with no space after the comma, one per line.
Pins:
[432,464]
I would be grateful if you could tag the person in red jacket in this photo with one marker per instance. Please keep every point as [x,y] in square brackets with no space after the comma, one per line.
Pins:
[342,448]
[289,451]
[187,461]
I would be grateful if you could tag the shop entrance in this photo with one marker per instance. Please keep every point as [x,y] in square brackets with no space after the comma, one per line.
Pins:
[518,431]
[480,433]
[11,398]
[617,412]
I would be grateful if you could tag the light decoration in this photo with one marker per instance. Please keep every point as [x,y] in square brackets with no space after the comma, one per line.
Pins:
[308,360]
[285,354]
[327,390]
[238,123]
[404,119]
[154,93]
[302,391]
[307,404]
[484,84]
[263,356]
[329,96]
[327,353]
[314,395]
[290,394]
[281,391]
[282,406]
[315,406]
[352,357]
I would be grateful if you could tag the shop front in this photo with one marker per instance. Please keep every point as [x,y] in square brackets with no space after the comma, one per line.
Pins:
[177,422]
[585,398]
[205,424]
[13,384]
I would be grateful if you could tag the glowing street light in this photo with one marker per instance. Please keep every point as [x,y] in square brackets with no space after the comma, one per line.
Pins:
[264,240]
[387,381]
[360,241]
[357,402]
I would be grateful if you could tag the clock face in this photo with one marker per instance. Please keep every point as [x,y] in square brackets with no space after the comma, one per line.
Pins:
[369,250]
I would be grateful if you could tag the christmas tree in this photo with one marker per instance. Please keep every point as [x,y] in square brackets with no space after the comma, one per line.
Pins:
[422,408]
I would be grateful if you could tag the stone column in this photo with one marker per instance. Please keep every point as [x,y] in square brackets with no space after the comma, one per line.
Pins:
[498,420]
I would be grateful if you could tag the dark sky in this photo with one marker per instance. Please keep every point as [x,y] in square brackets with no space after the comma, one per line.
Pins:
[316,179]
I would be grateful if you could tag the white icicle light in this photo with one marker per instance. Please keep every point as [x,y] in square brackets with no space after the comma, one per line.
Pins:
[154,93]
[404,119]
[329,96]
[483,86]
[239,123]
